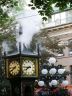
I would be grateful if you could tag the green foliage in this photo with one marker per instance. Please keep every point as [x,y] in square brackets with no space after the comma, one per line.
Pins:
[6,6]
[45,6]
[47,42]
[48,46]
[8,36]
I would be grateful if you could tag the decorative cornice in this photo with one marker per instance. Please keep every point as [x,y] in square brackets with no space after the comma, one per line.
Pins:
[56,28]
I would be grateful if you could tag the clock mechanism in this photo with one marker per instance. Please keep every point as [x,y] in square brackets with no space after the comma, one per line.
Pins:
[14,68]
[28,67]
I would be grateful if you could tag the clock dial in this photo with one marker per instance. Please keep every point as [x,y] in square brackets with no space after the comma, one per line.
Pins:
[14,68]
[28,67]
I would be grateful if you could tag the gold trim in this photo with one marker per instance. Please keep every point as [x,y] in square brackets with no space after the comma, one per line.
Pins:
[37,68]
[35,61]
[7,74]
[4,66]
[17,67]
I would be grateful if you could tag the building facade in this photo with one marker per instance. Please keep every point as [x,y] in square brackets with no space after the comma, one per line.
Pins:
[62,29]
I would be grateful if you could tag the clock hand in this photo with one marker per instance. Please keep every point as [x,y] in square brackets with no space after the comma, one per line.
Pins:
[13,68]
[28,67]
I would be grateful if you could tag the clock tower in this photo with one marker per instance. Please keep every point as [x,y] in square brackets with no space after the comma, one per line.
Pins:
[22,68]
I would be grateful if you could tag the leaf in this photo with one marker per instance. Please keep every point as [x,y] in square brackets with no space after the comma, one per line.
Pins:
[46,6]
[41,12]
[30,5]
[33,8]
[44,18]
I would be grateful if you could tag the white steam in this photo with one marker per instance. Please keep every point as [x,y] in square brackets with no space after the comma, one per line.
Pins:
[5,47]
[31,22]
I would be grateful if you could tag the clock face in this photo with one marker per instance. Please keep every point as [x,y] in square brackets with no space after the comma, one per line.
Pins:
[14,68]
[28,67]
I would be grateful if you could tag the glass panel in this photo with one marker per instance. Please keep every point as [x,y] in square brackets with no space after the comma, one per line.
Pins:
[71,73]
[69,16]
[60,18]
[57,19]
[57,16]
[63,17]
[70,46]
[51,19]
[70,43]
[60,51]
[69,13]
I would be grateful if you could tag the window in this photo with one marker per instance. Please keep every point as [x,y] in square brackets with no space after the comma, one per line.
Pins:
[69,16]
[60,49]
[51,19]
[70,47]
[60,18]
[71,73]
[69,13]
[63,17]
[57,19]
[60,53]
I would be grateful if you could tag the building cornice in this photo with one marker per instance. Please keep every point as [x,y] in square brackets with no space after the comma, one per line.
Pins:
[57,28]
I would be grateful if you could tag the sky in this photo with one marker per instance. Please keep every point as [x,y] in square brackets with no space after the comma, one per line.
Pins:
[31,23]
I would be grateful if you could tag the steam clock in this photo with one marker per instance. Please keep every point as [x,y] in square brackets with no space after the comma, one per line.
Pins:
[22,68]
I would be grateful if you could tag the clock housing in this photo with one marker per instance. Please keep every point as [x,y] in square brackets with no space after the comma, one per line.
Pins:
[29,67]
[22,64]
[13,68]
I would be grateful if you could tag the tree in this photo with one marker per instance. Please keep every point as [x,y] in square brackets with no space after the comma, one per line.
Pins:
[7,6]
[45,41]
[7,36]
[48,46]
[46,9]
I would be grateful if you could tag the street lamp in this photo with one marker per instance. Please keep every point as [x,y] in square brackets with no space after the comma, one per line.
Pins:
[52,71]
[52,75]
[52,60]
[44,71]
[41,83]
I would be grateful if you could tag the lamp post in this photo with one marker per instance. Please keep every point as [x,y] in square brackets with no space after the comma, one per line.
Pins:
[52,76]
